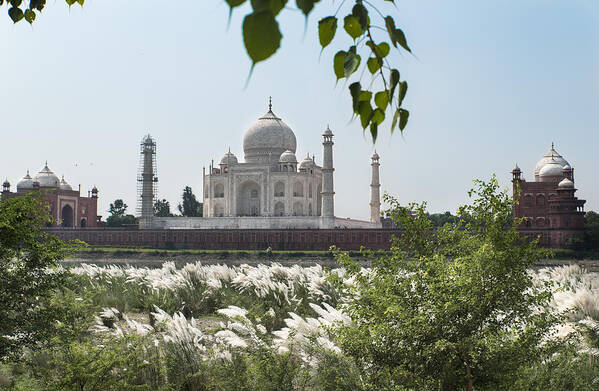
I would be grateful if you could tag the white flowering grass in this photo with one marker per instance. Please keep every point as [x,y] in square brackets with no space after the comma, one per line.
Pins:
[275,307]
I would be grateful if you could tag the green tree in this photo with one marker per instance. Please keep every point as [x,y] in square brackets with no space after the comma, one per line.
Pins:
[450,307]
[29,273]
[363,21]
[162,208]
[117,217]
[440,219]
[118,208]
[190,206]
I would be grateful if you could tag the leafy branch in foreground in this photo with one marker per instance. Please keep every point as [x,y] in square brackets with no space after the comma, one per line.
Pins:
[363,23]
[29,274]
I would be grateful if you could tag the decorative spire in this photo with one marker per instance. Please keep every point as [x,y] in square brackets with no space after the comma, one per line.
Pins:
[270,103]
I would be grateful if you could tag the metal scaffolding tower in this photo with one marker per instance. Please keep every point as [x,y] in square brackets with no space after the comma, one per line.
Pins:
[147,182]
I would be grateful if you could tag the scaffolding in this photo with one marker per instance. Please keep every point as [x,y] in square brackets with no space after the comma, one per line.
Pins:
[147,181]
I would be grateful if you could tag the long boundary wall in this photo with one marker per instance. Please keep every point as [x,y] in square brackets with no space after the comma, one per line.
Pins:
[238,239]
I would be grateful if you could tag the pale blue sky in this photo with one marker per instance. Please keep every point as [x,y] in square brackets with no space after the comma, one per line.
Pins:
[492,83]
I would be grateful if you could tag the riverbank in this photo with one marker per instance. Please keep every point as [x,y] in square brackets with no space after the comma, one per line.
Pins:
[154,258]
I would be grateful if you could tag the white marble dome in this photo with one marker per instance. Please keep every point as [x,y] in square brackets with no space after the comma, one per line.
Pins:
[566,183]
[229,159]
[267,139]
[46,178]
[288,157]
[64,185]
[551,169]
[25,183]
[550,157]
[306,163]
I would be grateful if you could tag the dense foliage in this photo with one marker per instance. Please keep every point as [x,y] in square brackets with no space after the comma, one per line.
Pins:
[451,307]
[372,34]
[28,274]
[162,208]
[190,206]
[118,216]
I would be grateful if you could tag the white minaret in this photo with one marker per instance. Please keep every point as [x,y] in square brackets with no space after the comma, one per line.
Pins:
[328,207]
[147,181]
[375,193]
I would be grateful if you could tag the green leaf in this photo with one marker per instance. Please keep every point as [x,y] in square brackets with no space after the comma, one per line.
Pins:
[393,80]
[15,13]
[81,2]
[16,3]
[403,118]
[365,111]
[351,62]
[326,30]
[235,3]
[37,4]
[261,35]
[354,90]
[306,5]
[381,99]
[338,61]
[365,95]
[381,50]
[352,26]
[403,89]
[29,16]
[394,122]
[378,116]
[360,12]
[374,131]
[71,2]
[395,34]
[274,6]
[373,65]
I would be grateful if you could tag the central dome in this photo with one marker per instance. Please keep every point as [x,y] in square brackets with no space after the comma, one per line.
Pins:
[267,139]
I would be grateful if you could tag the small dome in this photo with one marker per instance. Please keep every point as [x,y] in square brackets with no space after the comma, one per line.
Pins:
[229,159]
[306,163]
[550,157]
[147,139]
[25,183]
[566,184]
[288,157]
[94,189]
[375,156]
[516,169]
[46,178]
[327,132]
[551,169]
[6,183]
[267,139]
[64,185]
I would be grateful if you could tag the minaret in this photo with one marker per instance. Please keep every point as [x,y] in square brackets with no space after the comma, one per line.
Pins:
[147,181]
[375,192]
[328,207]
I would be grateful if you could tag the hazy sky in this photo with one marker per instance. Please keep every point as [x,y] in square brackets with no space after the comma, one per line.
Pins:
[492,83]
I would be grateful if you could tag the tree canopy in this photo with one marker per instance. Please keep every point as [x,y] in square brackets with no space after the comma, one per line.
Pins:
[450,307]
[162,208]
[373,35]
[190,206]
[28,274]
[118,216]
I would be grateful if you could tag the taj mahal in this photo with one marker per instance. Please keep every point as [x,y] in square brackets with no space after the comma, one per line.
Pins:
[270,189]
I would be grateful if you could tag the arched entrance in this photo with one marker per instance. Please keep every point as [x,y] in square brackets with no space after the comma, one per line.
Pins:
[279,209]
[83,223]
[66,216]
[248,199]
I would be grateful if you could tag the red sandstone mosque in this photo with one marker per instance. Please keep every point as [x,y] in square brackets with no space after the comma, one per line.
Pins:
[67,207]
[551,210]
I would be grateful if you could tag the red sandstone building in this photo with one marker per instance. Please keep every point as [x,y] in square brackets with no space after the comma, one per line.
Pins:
[551,210]
[67,207]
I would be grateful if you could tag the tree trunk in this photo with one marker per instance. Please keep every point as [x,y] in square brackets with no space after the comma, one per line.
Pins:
[469,374]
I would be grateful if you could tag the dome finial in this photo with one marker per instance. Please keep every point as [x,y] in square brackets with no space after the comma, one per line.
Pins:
[552,145]
[270,103]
